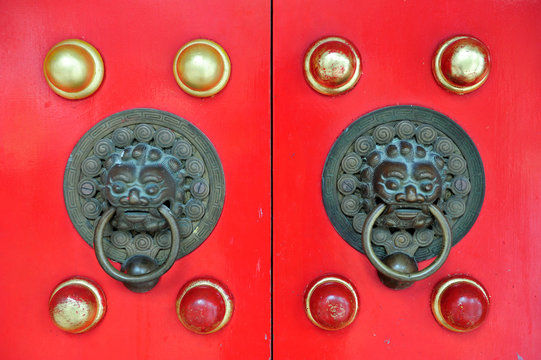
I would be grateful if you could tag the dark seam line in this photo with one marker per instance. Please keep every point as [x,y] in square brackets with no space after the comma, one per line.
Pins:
[272,175]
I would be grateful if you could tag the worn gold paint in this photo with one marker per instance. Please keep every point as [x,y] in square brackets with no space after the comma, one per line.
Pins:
[228,301]
[71,314]
[470,65]
[73,69]
[325,280]
[332,67]
[202,68]
[436,302]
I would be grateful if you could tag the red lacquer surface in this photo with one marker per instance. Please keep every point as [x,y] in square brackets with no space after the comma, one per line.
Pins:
[138,41]
[202,309]
[331,302]
[396,40]
[204,306]
[460,303]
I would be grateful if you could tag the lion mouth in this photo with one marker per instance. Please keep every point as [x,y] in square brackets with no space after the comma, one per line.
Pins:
[407,214]
[135,216]
[405,217]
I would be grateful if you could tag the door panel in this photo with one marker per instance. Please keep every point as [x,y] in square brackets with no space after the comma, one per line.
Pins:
[138,41]
[396,41]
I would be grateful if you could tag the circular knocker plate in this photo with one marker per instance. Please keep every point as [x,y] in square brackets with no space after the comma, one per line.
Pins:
[137,161]
[410,159]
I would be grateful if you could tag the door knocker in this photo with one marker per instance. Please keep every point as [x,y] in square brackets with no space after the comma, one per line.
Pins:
[403,184]
[144,188]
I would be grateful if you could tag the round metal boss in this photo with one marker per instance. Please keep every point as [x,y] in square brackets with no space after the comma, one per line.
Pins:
[156,140]
[73,69]
[409,158]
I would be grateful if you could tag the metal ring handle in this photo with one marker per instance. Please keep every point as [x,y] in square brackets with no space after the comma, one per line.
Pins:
[156,273]
[415,276]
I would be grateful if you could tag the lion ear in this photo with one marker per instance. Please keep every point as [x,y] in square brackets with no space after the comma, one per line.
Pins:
[179,196]
[420,152]
[112,160]
[374,158]
[440,163]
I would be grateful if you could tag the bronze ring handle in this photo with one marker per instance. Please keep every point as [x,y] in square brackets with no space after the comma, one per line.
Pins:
[156,273]
[415,276]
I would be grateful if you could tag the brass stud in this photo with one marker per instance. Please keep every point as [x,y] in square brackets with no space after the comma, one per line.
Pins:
[460,303]
[77,305]
[332,66]
[202,68]
[73,69]
[204,305]
[461,64]
[331,302]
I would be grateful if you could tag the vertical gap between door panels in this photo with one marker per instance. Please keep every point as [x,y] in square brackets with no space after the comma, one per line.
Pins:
[272,178]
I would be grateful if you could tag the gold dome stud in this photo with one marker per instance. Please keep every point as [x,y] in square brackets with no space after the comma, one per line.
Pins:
[461,64]
[332,66]
[73,69]
[77,305]
[202,68]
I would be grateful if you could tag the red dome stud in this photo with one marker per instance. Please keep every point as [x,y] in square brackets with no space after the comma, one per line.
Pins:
[331,302]
[204,306]
[460,303]
[461,64]
[332,66]
[77,305]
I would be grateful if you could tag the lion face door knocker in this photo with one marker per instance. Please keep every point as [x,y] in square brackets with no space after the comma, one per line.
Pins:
[403,184]
[145,188]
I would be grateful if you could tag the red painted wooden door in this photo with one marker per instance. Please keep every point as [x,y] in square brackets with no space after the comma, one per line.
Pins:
[396,41]
[138,41]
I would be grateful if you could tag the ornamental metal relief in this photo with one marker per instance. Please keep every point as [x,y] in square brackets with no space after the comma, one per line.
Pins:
[410,159]
[138,162]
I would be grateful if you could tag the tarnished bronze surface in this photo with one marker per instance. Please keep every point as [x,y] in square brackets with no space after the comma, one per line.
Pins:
[414,166]
[388,270]
[144,182]
[137,278]
[402,263]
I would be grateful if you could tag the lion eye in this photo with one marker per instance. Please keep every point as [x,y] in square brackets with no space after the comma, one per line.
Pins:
[391,184]
[426,187]
[152,189]
[118,187]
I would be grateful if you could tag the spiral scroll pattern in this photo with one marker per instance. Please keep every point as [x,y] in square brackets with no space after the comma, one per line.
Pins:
[198,176]
[408,134]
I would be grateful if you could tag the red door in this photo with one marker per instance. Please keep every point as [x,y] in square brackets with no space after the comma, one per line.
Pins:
[39,129]
[396,41]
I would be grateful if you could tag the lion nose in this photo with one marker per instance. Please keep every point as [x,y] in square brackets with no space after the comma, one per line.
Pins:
[410,195]
[135,198]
